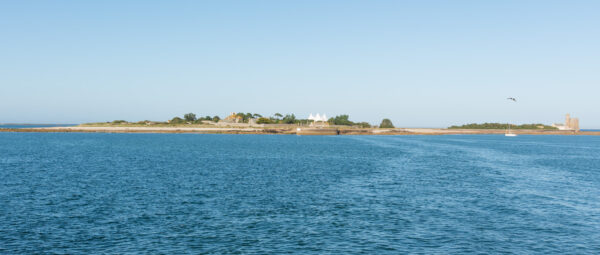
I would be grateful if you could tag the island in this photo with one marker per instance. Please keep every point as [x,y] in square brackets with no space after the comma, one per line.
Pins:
[253,123]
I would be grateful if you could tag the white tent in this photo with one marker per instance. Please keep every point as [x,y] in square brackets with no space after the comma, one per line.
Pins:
[317,117]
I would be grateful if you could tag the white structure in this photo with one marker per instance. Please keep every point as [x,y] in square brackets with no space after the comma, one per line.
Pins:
[560,126]
[570,124]
[318,120]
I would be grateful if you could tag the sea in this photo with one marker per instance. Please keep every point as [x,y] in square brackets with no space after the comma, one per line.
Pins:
[35,125]
[98,193]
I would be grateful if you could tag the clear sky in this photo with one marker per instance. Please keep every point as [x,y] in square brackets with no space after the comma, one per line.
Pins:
[419,63]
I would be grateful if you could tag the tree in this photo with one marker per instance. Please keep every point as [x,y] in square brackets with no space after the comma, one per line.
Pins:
[278,116]
[241,115]
[177,120]
[190,117]
[216,118]
[386,123]
[247,117]
[256,116]
[289,119]
[263,120]
[341,120]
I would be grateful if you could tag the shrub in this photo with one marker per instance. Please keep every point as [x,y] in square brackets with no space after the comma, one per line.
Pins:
[263,120]
[341,120]
[177,120]
[386,123]
[363,124]
[502,126]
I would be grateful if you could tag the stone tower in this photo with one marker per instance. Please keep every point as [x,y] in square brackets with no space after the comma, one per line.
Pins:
[574,125]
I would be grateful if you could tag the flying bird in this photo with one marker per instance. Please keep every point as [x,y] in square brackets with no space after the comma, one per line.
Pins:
[512,98]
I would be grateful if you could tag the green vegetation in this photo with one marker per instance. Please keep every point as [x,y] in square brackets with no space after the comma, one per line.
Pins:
[344,120]
[277,118]
[503,126]
[362,124]
[263,120]
[386,123]
[177,120]
[247,116]
[289,119]
[190,117]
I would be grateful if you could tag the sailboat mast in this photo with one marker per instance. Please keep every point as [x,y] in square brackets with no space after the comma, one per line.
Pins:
[508,133]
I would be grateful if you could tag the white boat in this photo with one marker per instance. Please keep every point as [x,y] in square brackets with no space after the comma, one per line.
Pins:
[508,133]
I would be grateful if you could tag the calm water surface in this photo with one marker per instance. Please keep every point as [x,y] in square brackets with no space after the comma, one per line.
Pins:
[35,125]
[260,194]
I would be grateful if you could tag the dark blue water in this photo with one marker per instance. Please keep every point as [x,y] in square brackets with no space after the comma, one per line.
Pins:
[261,194]
[35,125]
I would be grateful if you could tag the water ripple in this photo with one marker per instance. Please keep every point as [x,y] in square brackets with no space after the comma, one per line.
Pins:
[266,194]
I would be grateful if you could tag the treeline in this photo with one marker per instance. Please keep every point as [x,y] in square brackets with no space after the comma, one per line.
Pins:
[344,120]
[277,118]
[192,119]
[502,126]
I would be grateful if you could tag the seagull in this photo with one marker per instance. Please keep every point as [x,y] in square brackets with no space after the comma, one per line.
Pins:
[512,98]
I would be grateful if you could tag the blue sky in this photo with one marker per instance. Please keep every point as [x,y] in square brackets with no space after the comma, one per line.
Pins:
[419,63]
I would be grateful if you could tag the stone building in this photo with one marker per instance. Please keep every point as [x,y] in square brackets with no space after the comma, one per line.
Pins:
[570,124]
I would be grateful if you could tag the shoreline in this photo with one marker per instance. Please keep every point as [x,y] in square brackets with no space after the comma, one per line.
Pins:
[291,131]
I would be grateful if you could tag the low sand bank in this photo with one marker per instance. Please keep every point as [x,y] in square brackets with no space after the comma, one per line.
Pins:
[300,131]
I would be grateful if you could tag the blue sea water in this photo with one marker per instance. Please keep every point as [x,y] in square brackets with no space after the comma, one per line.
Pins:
[82,193]
[34,125]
